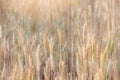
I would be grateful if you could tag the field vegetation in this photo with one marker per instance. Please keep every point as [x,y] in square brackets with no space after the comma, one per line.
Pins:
[59,39]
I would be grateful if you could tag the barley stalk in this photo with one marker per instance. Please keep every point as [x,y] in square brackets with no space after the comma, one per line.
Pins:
[38,62]
[59,36]
[14,72]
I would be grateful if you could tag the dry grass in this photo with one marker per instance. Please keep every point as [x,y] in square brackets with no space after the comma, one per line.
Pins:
[59,40]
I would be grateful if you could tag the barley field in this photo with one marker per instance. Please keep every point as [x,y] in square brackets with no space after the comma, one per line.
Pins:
[59,39]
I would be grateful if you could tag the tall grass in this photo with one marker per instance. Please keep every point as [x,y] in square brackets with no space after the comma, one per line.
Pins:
[59,40]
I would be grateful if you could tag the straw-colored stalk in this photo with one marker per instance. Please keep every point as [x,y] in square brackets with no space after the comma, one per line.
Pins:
[38,62]
[72,50]
[44,41]
[3,73]
[104,54]
[77,65]
[29,75]
[84,26]
[78,29]
[47,70]
[94,50]
[21,73]
[78,25]
[51,46]
[0,31]
[62,70]
[115,67]
[97,76]
[14,71]
[85,18]
[59,36]
[21,38]
[52,64]
[101,74]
